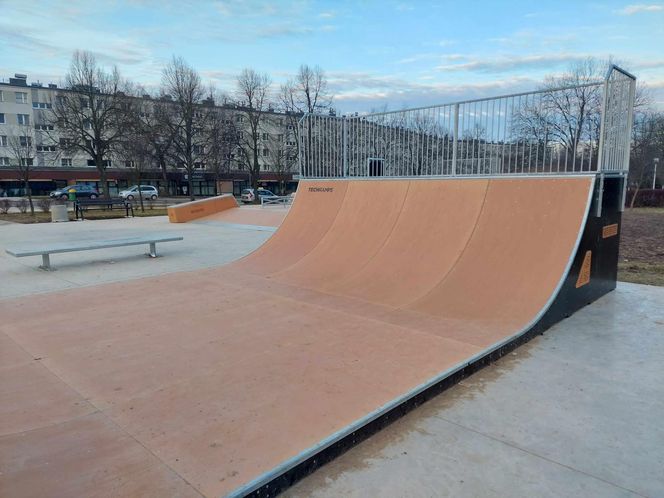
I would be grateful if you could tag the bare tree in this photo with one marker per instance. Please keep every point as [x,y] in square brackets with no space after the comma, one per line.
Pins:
[153,120]
[22,149]
[565,119]
[136,149]
[222,141]
[253,92]
[647,144]
[308,93]
[189,116]
[91,114]
[283,157]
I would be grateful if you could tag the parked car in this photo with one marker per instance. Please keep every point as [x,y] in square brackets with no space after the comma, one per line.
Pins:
[147,191]
[81,190]
[248,194]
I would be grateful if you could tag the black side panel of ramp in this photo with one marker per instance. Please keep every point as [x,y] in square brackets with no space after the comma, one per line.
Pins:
[599,243]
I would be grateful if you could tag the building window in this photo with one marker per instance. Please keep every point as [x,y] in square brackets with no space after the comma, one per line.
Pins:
[65,142]
[23,119]
[65,162]
[239,119]
[280,121]
[41,105]
[26,162]
[199,165]
[266,152]
[3,140]
[129,164]
[44,127]
[85,102]
[106,163]
[25,141]
[2,97]
[291,143]
[280,137]
[46,148]
[266,136]
[21,97]
[87,124]
[2,118]
[4,161]
[198,149]
[290,127]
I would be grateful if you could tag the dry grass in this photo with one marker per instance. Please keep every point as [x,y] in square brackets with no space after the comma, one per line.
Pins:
[642,246]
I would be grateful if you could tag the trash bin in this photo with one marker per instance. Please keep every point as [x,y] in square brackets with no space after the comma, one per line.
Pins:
[59,213]
[72,194]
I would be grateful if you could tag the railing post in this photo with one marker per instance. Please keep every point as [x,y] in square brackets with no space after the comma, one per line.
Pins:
[344,131]
[454,143]
[630,122]
[600,146]
[300,126]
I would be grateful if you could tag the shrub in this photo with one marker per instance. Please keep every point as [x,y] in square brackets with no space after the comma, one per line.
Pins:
[5,204]
[44,204]
[22,205]
[646,198]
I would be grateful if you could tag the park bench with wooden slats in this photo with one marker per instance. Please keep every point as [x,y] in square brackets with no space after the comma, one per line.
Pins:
[82,205]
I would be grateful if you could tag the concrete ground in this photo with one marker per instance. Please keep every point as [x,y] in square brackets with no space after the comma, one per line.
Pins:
[203,246]
[578,411]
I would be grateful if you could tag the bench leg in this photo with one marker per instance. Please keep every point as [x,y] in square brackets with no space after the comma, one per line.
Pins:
[46,262]
[153,250]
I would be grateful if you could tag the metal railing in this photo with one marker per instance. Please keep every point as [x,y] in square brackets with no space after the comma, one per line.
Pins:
[284,200]
[574,129]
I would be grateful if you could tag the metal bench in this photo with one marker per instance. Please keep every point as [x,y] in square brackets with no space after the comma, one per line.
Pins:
[46,250]
[82,205]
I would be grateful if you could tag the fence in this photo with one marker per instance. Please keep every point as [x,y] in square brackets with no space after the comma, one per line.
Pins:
[574,129]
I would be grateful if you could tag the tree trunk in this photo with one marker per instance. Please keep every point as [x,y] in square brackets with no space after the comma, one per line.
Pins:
[99,161]
[28,191]
[256,171]
[633,199]
[190,185]
[162,166]
[140,194]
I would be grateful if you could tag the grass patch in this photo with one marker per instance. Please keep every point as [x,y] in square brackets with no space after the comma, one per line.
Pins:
[96,214]
[638,272]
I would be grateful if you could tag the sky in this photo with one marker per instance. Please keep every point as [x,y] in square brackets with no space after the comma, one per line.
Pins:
[376,54]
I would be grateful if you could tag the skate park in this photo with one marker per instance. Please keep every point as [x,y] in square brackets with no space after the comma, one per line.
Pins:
[411,258]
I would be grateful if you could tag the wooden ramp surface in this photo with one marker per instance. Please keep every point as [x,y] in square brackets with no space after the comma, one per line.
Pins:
[271,216]
[368,290]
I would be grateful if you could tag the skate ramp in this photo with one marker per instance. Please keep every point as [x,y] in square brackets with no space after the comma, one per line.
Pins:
[188,211]
[371,292]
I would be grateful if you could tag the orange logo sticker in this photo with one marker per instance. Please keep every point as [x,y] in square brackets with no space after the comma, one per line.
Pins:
[584,274]
[610,231]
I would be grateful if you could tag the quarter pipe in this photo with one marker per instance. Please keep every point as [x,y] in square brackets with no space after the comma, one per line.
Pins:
[372,296]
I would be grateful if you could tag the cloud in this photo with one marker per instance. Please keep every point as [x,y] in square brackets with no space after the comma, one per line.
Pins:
[638,8]
[362,91]
[511,63]
[327,15]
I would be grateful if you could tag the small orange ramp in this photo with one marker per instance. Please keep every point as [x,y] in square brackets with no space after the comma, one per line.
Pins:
[372,296]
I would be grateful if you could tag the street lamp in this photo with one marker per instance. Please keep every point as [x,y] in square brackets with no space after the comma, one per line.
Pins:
[654,173]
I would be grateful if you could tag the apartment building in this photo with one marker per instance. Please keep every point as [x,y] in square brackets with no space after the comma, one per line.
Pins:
[23,106]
